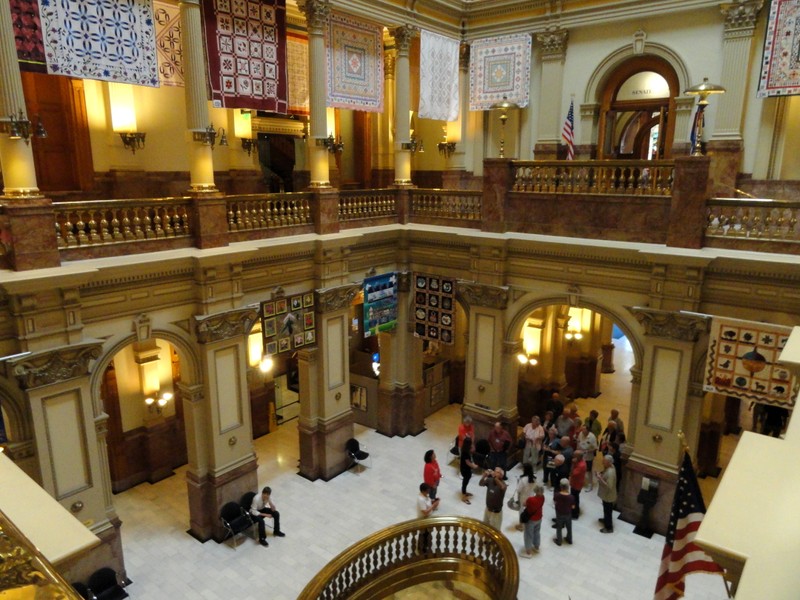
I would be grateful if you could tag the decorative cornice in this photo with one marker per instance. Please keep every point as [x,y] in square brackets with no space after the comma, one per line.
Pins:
[192,393]
[682,326]
[402,37]
[336,298]
[513,347]
[17,451]
[223,326]
[316,13]
[553,42]
[308,355]
[741,15]
[479,294]
[53,366]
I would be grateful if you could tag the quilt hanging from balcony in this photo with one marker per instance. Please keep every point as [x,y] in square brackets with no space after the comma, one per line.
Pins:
[743,362]
[499,67]
[28,35]
[111,40]
[297,61]
[168,43]
[355,63]
[438,77]
[780,64]
[246,44]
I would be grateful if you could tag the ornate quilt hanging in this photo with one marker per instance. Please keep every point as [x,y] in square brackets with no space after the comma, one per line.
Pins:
[168,43]
[743,362]
[780,64]
[355,63]
[380,304]
[499,68]
[246,46]
[438,77]
[28,35]
[434,299]
[288,323]
[101,39]
[297,64]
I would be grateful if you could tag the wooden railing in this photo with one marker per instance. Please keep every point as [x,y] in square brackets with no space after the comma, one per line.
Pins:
[367,204]
[446,204]
[269,211]
[618,177]
[101,222]
[419,551]
[762,220]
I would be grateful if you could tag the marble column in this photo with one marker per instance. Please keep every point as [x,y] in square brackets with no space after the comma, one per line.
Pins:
[382,134]
[316,13]
[201,161]
[16,156]
[684,110]
[222,460]
[402,151]
[586,148]
[726,144]
[326,419]
[674,343]
[552,50]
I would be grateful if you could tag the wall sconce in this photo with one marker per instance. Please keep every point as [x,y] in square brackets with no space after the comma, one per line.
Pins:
[248,145]
[208,136]
[573,332]
[503,107]
[527,359]
[446,148]
[21,128]
[157,406]
[133,140]
[266,364]
[334,145]
[413,145]
[703,90]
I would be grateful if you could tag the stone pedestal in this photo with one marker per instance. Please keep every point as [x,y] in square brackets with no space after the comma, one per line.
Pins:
[400,411]
[631,510]
[322,454]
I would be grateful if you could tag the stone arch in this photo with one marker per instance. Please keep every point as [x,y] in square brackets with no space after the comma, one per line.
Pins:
[19,425]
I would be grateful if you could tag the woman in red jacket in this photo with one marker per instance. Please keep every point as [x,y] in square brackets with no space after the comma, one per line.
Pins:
[431,474]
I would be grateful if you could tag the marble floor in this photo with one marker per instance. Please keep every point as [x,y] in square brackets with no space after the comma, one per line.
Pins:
[323,518]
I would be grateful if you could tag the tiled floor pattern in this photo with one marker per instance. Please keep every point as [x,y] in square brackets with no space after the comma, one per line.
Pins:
[323,518]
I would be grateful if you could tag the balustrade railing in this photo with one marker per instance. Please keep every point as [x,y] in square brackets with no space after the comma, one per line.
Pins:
[269,211]
[417,551]
[618,177]
[367,204]
[764,220]
[446,204]
[101,222]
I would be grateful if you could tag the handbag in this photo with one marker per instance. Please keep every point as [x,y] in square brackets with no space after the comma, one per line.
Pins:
[513,504]
[524,516]
[521,443]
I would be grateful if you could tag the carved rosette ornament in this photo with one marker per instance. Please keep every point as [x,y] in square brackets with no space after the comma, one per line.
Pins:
[682,326]
[402,37]
[479,294]
[316,13]
[741,16]
[224,326]
[53,366]
[336,298]
[553,42]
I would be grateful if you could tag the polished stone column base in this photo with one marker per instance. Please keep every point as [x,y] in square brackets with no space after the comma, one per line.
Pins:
[726,161]
[401,411]
[107,554]
[627,502]
[322,454]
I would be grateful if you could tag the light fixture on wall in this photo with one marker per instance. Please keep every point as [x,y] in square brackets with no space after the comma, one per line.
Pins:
[266,364]
[20,127]
[208,137]
[504,106]
[248,145]
[133,140]
[156,406]
[573,332]
[703,91]
[334,145]
[446,148]
[527,359]
[414,145]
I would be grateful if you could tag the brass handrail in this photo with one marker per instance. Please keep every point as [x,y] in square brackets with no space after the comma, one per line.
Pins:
[418,551]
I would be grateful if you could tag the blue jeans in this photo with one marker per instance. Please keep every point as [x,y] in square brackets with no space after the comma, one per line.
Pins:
[564,521]
[532,534]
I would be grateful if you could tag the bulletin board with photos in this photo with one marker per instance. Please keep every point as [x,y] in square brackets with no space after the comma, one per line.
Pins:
[288,323]
[434,299]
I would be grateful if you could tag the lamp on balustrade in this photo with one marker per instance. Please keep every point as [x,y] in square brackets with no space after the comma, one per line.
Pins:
[209,135]
[334,145]
[19,127]
[503,106]
[703,91]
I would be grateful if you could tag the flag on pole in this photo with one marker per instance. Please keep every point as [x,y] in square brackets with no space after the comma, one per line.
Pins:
[681,555]
[698,117]
[568,132]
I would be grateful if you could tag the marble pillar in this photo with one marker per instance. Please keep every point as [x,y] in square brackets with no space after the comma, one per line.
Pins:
[402,150]
[552,50]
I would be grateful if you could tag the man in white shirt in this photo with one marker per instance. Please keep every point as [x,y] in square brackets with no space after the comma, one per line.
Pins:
[261,508]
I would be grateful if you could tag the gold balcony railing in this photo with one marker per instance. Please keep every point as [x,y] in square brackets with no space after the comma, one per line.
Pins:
[756,220]
[446,204]
[24,572]
[617,177]
[366,204]
[268,211]
[412,553]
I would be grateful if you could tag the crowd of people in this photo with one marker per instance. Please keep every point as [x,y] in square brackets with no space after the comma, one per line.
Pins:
[559,443]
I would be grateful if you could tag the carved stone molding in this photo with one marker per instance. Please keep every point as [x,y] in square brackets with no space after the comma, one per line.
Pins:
[402,37]
[53,366]
[316,13]
[308,355]
[479,294]
[336,298]
[636,376]
[191,393]
[553,42]
[142,327]
[463,56]
[404,282]
[639,39]
[589,110]
[388,65]
[223,326]
[17,451]
[101,425]
[685,327]
[513,347]
[741,15]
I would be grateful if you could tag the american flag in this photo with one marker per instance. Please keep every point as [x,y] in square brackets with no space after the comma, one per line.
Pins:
[681,555]
[568,132]
[695,128]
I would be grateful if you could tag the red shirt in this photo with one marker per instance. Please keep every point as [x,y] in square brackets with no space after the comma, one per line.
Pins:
[578,476]
[534,506]
[431,475]
[465,431]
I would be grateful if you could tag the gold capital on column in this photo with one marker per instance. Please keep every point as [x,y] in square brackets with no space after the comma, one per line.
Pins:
[553,42]
[388,66]
[741,15]
[675,325]
[316,12]
[403,36]
[463,56]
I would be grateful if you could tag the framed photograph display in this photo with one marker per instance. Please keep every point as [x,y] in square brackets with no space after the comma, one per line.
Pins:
[380,304]
[288,323]
[433,307]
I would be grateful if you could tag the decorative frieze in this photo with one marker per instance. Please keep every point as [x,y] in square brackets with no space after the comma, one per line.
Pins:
[682,326]
[53,366]
[336,298]
[223,326]
[479,294]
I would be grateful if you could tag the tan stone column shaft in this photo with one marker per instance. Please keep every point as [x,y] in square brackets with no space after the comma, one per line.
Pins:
[402,157]
[552,50]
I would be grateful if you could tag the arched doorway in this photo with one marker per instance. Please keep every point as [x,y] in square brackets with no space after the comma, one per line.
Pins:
[637,112]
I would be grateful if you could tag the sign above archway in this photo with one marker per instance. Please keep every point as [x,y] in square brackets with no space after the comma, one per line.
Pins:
[645,85]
